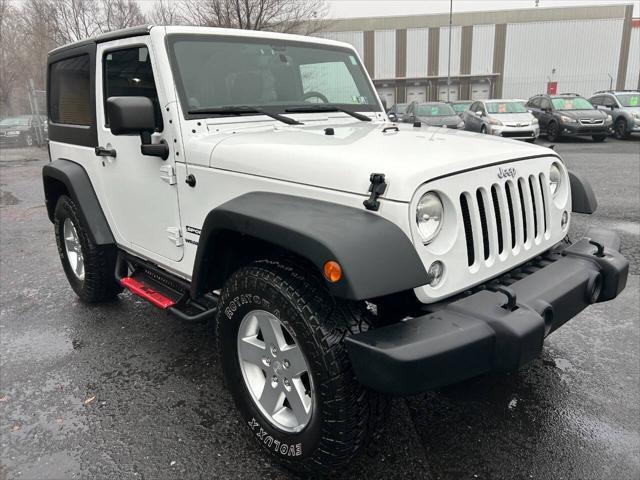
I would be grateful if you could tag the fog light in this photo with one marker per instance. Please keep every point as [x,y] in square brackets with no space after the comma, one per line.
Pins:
[436,272]
[565,219]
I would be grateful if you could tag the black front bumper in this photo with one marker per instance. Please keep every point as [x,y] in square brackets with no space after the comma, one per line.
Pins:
[577,129]
[500,327]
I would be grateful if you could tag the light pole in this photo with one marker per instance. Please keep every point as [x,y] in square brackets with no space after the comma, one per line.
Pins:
[449,59]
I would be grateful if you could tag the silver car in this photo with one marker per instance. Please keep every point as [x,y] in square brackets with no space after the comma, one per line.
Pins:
[505,118]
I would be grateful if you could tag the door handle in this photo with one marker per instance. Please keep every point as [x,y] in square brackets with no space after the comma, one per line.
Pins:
[105,152]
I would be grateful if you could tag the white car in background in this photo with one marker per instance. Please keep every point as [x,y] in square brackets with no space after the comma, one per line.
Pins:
[505,118]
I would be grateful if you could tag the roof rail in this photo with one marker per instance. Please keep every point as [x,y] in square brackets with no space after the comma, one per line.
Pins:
[617,90]
[106,37]
[570,93]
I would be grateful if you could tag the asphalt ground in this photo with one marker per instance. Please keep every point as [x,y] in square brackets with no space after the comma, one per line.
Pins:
[124,391]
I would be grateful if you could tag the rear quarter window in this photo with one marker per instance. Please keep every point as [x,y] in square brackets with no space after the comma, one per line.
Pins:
[70,91]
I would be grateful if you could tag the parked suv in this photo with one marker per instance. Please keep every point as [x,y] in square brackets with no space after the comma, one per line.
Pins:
[253,179]
[624,108]
[433,114]
[23,131]
[505,118]
[569,114]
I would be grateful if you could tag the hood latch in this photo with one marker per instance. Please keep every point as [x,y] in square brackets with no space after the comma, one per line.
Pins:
[377,188]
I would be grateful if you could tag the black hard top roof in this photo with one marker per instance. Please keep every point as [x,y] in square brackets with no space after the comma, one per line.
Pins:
[106,37]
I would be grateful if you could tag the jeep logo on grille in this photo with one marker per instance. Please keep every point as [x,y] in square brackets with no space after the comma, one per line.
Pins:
[507,172]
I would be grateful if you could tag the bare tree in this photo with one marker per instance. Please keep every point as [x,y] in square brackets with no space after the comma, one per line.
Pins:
[118,14]
[166,12]
[287,16]
[9,43]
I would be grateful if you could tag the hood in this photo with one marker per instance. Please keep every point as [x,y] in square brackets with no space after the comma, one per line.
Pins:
[448,120]
[344,161]
[578,114]
[524,117]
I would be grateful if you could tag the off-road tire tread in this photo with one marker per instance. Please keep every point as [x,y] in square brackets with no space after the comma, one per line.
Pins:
[361,412]
[99,282]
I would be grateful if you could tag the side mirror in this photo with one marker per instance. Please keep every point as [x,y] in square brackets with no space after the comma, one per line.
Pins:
[479,113]
[131,115]
[393,117]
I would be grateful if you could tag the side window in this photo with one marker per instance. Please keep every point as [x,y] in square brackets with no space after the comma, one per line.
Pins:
[596,101]
[607,102]
[545,104]
[70,91]
[128,73]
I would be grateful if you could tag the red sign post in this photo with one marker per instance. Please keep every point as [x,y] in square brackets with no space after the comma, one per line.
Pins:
[552,88]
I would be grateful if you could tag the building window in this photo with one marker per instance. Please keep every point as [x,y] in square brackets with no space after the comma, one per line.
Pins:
[70,91]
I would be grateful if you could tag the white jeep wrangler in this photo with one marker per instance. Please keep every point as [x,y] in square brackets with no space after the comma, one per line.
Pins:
[254,179]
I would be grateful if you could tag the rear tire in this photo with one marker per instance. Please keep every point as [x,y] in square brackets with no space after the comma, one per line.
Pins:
[342,415]
[483,129]
[599,138]
[90,268]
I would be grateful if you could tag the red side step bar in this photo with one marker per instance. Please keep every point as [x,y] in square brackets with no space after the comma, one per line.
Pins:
[141,290]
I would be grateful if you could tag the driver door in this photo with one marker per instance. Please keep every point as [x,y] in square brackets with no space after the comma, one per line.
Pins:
[139,191]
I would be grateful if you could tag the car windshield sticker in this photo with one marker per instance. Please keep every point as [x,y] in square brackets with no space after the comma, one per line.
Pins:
[353,59]
[502,108]
[434,110]
[633,102]
[358,99]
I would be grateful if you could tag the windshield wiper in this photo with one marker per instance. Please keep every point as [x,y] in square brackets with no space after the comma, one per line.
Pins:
[327,108]
[240,110]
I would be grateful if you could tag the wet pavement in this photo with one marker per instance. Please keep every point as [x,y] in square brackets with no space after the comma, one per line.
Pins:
[124,391]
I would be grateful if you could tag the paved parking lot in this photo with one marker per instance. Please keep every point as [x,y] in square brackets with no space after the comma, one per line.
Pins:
[125,391]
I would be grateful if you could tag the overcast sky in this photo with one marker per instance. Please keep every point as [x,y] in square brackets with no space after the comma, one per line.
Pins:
[371,8]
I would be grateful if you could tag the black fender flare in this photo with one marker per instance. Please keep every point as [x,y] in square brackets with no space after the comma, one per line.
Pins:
[73,177]
[583,199]
[376,256]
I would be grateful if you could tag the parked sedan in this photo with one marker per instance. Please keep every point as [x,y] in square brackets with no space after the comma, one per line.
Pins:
[397,111]
[460,106]
[569,114]
[434,114]
[505,118]
[22,130]
[624,108]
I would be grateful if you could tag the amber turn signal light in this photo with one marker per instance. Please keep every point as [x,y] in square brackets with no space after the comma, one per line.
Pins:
[332,271]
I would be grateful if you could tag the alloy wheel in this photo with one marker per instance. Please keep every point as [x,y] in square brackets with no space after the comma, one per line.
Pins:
[73,248]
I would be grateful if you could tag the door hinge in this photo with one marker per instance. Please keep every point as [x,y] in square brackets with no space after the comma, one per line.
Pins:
[175,235]
[168,174]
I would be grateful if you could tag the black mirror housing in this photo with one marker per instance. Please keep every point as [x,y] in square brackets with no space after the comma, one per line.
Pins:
[130,115]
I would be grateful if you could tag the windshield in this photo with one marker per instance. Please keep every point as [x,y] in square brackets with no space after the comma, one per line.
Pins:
[214,71]
[15,122]
[434,110]
[629,99]
[505,107]
[572,103]
[460,107]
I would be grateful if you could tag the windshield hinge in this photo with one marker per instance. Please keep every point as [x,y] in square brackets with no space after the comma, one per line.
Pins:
[175,235]
[168,174]
[377,188]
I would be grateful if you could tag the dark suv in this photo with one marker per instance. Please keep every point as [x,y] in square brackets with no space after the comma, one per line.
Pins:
[23,131]
[623,106]
[569,114]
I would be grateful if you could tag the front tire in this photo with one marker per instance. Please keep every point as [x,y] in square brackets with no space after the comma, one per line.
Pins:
[90,268]
[553,131]
[281,339]
[620,129]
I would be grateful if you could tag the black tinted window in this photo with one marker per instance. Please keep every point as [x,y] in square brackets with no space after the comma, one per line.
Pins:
[128,73]
[545,103]
[70,92]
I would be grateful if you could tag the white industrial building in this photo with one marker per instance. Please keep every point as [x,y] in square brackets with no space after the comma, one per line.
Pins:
[507,53]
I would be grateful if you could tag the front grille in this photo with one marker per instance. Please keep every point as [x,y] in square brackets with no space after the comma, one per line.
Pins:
[591,121]
[521,133]
[514,213]
[517,125]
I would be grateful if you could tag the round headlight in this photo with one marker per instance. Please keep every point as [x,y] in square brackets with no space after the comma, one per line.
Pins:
[429,216]
[555,178]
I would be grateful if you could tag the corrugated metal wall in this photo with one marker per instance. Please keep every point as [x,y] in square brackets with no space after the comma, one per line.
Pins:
[583,52]
[417,51]
[354,38]
[385,54]
[456,33]
[633,67]
[482,50]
